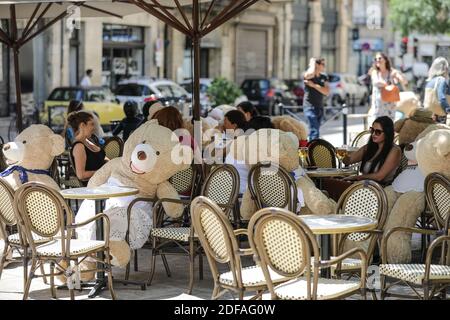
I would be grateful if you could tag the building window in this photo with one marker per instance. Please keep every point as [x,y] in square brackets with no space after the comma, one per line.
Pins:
[329,49]
[329,4]
[299,51]
[123,53]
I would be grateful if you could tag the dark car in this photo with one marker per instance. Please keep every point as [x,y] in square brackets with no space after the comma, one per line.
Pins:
[297,88]
[266,94]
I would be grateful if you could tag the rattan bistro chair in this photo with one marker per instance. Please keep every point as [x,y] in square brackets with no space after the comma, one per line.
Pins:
[321,154]
[361,139]
[221,247]
[433,278]
[113,147]
[368,199]
[437,192]
[42,211]
[186,183]
[272,186]
[284,245]
[222,187]
[13,236]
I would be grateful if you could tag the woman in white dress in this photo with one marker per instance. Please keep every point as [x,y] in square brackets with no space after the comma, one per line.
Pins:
[382,74]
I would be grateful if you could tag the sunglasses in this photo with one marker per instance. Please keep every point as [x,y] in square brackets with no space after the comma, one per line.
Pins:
[378,59]
[376,131]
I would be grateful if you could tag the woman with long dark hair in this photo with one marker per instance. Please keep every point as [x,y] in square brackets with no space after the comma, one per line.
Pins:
[383,74]
[380,157]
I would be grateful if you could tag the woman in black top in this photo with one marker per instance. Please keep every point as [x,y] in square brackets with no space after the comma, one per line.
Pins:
[130,122]
[87,156]
[316,88]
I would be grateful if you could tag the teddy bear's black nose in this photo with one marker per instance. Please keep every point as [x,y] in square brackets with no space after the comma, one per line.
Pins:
[409,147]
[6,147]
[141,155]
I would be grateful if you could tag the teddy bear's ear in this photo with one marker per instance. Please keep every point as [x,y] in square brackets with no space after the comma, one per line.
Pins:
[58,146]
[399,124]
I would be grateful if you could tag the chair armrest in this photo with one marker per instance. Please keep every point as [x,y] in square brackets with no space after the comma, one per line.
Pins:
[106,225]
[340,258]
[240,231]
[245,252]
[390,232]
[158,214]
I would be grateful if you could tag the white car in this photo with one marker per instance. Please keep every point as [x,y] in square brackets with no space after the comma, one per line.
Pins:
[142,90]
[346,87]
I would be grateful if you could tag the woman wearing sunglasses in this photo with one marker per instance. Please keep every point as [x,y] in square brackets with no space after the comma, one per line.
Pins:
[380,157]
[382,74]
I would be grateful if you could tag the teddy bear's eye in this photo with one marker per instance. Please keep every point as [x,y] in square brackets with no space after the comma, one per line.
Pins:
[143,142]
[24,141]
[157,153]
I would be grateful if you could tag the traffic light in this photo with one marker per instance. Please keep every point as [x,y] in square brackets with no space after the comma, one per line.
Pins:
[404,46]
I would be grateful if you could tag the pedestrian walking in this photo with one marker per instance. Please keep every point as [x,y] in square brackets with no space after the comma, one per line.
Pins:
[384,75]
[437,89]
[316,88]
[86,81]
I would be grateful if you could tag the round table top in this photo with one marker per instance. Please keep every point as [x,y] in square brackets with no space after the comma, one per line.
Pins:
[331,172]
[338,223]
[98,193]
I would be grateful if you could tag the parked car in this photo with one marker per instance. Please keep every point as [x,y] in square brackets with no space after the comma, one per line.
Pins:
[98,99]
[297,87]
[145,89]
[265,94]
[205,102]
[346,87]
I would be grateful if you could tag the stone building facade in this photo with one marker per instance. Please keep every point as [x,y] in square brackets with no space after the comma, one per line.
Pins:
[266,40]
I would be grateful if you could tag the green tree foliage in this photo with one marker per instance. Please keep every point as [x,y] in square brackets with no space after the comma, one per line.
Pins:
[223,91]
[424,16]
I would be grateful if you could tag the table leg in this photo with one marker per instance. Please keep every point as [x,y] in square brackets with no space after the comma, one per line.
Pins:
[101,282]
[325,248]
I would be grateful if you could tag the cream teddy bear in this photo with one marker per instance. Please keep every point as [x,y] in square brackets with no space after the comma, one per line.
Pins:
[290,124]
[152,154]
[279,148]
[406,198]
[408,103]
[30,156]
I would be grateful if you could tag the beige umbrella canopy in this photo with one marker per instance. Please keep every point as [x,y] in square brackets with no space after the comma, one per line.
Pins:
[52,11]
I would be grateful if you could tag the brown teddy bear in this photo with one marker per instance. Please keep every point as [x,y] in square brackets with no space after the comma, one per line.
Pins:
[152,154]
[30,156]
[409,128]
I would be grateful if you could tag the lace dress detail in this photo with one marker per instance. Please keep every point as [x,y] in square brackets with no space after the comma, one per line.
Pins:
[116,210]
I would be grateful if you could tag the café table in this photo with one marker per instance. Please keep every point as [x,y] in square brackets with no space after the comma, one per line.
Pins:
[326,225]
[99,195]
[320,173]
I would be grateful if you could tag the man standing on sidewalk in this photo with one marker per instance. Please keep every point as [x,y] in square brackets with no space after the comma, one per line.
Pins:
[316,88]
[86,81]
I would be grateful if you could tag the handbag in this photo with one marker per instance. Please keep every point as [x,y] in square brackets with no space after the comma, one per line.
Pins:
[390,93]
[431,102]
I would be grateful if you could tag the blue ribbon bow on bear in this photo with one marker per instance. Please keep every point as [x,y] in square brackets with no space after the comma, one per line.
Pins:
[23,176]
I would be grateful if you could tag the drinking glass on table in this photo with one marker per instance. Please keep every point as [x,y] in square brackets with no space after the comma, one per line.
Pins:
[303,154]
[341,153]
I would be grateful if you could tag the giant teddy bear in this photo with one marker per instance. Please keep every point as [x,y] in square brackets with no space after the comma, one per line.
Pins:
[152,154]
[246,150]
[430,152]
[290,124]
[409,128]
[30,156]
